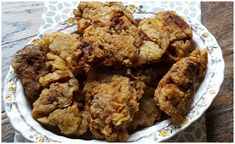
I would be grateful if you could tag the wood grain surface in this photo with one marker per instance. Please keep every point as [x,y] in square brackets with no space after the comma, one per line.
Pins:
[20,22]
[218,18]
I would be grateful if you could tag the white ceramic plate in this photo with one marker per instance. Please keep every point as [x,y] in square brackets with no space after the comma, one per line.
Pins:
[19,111]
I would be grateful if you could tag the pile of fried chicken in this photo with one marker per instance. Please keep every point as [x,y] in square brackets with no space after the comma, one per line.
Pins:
[114,74]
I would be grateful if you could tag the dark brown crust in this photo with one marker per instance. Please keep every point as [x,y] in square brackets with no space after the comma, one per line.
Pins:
[176,20]
[29,65]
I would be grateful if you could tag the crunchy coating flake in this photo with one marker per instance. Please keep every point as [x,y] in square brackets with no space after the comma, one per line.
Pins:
[176,89]
[29,64]
[111,100]
[58,95]
[59,43]
[55,76]
[179,49]
[69,120]
[67,46]
[60,71]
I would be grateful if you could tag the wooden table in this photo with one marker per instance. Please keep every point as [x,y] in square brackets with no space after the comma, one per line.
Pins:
[20,22]
[218,18]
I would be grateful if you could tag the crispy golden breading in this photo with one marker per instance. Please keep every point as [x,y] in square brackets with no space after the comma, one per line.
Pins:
[60,71]
[109,49]
[59,43]
[29,64]
[69,120]
[111,100]
[149,52]
[148,112]
[64,45]
[176,89]
[55,76]
[67,46]
[109,14]
[147,115]
[160,31]
[58,95]
[165,28]
[110,34]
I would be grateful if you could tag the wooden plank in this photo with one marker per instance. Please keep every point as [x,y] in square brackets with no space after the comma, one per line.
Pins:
[20,20]
[7,130]
[218,18]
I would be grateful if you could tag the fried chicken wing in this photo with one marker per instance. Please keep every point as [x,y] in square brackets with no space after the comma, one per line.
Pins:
[111,100]
[69,120]
[160,32]
[58,95]
[29,65]
[176,89]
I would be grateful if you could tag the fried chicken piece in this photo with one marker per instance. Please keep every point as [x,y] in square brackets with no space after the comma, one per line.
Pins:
[165,28]
[64,45]
[110,33]
[176,89]
[67,46]
[113,15]
[111,100]
[109,49]
[29,64]
[58,95]
[159,33]
[69,120]
[148,113]
[60,71]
